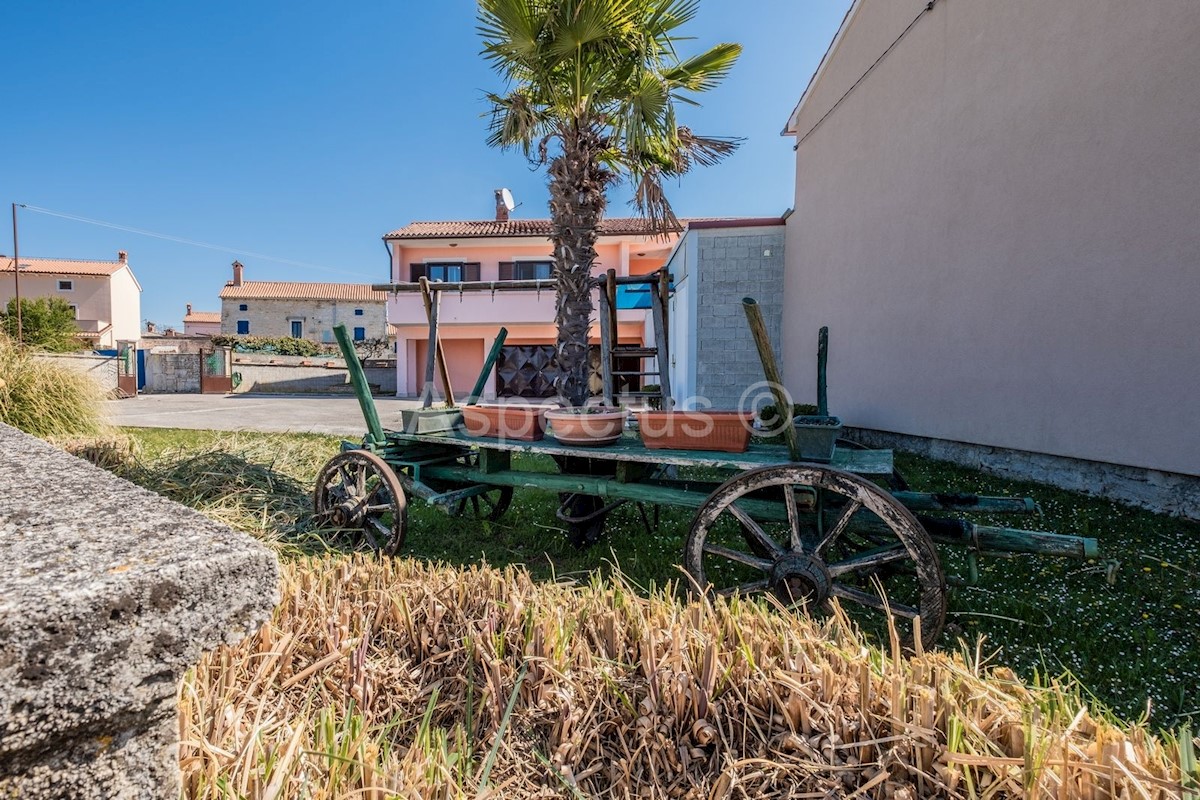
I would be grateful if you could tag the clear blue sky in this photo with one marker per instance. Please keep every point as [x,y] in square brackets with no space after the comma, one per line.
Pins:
[305,130]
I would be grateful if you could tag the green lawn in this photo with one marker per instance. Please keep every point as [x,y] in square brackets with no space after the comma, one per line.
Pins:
[1125,625]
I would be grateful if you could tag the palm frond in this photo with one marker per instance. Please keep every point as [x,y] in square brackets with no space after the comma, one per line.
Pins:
[704,72]
[706,151]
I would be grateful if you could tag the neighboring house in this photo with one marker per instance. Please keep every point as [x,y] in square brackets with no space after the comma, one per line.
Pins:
[105,295]
[714,361]
[201,323]
[301,310]
[501,250]
[996,213]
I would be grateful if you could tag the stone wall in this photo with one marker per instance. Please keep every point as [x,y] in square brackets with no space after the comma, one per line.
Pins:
[102,368]
[317,317]
[732,264]
[172,373]
[1164,492]
[108,595]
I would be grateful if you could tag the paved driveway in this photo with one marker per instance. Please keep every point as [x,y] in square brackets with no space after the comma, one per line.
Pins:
[338,415]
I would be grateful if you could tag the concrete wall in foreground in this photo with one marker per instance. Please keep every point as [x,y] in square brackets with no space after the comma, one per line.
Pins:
[103,369]
[999,225]
[296,379]
[105,600]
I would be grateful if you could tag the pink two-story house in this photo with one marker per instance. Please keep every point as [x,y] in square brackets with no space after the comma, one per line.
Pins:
[500,250]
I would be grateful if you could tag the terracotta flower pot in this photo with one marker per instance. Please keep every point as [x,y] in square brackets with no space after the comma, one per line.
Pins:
[587,427]
[522,423]
[727,431]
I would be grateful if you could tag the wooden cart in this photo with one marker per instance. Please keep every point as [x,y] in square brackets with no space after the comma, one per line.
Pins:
[806,533]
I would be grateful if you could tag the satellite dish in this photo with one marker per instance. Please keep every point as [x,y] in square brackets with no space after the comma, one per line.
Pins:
[507,198]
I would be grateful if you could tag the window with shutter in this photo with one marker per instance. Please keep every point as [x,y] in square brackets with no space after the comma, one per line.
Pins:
[470,272]
[506,271]
[416,272]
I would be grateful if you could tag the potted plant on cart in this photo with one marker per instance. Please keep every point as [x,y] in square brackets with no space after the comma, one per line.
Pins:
[589,426]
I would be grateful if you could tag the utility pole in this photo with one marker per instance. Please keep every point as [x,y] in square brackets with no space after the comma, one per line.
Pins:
[17,275]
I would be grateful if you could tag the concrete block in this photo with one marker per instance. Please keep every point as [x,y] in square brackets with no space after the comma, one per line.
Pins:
[108,595]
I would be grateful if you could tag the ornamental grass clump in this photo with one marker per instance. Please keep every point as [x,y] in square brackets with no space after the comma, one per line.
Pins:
[394,678]
[46,399]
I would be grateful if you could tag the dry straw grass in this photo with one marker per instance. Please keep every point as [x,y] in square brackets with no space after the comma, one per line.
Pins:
[397,679]
[45,399]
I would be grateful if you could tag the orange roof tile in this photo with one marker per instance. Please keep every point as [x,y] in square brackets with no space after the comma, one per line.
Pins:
[62,266]
[202,316]
[618,226]
[295,290]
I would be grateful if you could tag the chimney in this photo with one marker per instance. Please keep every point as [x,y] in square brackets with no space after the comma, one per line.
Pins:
[501,208]
[189,309]
[150,326]
[123,256]
[237,273]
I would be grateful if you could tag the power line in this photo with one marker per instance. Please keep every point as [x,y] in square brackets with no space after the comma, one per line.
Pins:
[193,243]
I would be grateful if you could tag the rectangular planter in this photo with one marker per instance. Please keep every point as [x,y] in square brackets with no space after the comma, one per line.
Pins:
[726,431]
[815,437]
[522,423]
[430,420]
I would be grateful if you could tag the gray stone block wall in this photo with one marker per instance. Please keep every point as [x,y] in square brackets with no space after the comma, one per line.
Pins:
[168,373]
[103,369]
[109,593]
[732,265]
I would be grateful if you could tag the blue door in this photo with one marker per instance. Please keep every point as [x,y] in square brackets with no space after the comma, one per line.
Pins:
[297,329]
[360,334]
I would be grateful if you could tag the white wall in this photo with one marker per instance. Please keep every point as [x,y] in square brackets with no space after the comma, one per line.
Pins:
[126,306]
[1001,226]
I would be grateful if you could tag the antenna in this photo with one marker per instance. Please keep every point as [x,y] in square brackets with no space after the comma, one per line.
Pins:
[507,198]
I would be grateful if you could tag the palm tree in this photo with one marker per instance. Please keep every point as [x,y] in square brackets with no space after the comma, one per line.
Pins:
[592,88]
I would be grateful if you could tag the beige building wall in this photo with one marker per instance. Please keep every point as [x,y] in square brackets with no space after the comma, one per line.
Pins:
[274,317]
[1001,226]
[126,299]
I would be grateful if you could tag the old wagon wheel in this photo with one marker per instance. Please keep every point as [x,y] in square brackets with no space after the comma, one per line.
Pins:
[358,490]
[489,505]
[806,534]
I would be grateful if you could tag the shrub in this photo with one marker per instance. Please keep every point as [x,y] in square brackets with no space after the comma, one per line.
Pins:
[47,323]
[282,345]
[47,399]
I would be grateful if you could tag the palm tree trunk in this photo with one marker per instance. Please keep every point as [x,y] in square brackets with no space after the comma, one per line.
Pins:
[577,185]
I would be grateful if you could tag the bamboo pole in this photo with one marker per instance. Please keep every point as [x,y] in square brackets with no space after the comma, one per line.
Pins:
[783,403]
[432,302]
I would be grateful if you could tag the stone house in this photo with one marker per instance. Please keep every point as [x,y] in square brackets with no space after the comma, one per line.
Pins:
[201,323]
[300,309]
[105,295]
[996,215]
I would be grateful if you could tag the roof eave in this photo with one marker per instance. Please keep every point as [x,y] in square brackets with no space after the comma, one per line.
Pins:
[790,128]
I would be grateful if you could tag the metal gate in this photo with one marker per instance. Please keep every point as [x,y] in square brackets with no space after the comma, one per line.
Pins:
[127,372]
[216,371]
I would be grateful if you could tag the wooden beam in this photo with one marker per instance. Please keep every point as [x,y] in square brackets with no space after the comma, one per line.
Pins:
[783,403]
[488,363]
[431,311]
[822,364]
[506,286]
[659,313]
[432,302]
[607,334]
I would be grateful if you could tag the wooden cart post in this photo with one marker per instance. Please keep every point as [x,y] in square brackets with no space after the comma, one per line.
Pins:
[783,403]
[432,298]
[488,364]
[608,332]
[362,391]
[822,365]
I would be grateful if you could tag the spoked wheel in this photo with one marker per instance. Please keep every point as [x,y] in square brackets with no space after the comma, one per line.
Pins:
[357,490]
[807,534]
[489,506]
